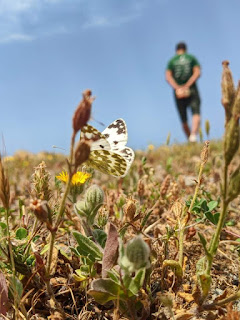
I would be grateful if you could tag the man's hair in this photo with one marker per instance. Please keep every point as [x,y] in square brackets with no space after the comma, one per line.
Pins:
[181,45]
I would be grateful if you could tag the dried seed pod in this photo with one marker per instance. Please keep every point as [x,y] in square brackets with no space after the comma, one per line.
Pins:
[204,153]
[177,209]
[40,209]
[165,185]
[82,153]
[141,188]
[234,185]
[129,209]
[231,140]
[4,187]
[83,111]
[228,90]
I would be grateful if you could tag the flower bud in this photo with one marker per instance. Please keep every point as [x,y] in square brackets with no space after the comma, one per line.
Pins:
[231,140]
[94,197]
[138,252]
[228,90]
[82,153]
[234,185]
[81,208]
[83,111]
[40,209]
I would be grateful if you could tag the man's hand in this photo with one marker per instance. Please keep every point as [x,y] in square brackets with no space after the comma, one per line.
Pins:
[196,74]
[171,80]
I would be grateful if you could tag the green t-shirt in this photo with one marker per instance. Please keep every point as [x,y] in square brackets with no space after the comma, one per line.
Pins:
[181,66]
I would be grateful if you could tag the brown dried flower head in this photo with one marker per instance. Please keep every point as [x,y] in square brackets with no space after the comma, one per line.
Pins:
[4,186]
[82,153]
[205,152]
[231,140]
[83,111]
[165,185]
[129,209]
[177,209]
[228,90]
[41,182]
[141,188]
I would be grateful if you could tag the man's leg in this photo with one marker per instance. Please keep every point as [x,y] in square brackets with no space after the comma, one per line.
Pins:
[195,123]
[182,110]
[186,129]
[195,105]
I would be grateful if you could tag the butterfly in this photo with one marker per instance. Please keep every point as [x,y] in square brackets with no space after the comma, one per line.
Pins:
[109,153]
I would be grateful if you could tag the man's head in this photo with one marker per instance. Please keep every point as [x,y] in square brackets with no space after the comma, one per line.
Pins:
[181,47]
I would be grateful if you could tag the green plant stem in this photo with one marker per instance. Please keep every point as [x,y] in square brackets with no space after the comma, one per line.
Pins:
[223,214]
[181,246]
[62,207]
[11,260]
[197,188]
[182,223]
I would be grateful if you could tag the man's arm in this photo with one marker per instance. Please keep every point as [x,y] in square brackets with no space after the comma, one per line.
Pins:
[196,74]
[171,80]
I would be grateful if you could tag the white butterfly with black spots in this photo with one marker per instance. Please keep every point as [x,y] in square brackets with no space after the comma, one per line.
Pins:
[109,153]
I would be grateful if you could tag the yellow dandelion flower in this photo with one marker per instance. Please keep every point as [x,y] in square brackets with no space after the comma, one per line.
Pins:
[78,177]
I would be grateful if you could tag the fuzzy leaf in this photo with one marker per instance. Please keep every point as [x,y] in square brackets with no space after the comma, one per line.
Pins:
[100,237]
[104,290]
[137,282]
[110,254]
[87,245]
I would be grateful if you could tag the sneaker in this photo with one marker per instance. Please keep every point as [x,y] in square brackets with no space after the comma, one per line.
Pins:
[192,138]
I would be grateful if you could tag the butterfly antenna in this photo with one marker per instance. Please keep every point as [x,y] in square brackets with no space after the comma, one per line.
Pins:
[99,122]
[56,147]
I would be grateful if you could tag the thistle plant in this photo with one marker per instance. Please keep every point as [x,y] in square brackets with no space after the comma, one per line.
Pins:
[124,286]
[230,184]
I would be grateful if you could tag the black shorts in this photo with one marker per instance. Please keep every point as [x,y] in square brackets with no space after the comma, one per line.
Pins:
[193,101]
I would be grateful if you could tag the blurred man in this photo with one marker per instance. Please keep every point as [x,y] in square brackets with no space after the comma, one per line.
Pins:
[182,72]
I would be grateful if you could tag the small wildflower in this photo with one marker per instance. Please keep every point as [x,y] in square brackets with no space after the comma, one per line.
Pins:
[77,179]
[151,147]
[8,159]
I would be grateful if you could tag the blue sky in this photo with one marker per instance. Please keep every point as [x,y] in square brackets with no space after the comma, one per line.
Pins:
[51,50]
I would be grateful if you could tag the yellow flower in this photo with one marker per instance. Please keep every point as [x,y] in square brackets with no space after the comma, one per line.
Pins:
[8,159]
[78,177]
[151,147]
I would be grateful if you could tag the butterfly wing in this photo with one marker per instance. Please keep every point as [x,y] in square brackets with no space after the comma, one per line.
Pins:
[108,162]
[109,153]
[116,134]
[97,139]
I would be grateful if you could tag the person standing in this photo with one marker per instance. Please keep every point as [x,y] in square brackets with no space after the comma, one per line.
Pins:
[182,72]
